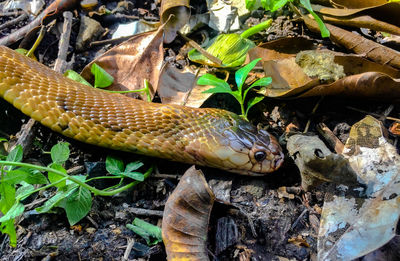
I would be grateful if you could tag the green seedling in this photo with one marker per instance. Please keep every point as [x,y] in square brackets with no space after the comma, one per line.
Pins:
[102,79]
[274,5]
[150,233]
[73,194]
[240,94]
[231,49]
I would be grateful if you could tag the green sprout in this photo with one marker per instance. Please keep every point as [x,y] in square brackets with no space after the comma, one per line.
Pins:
[240,94]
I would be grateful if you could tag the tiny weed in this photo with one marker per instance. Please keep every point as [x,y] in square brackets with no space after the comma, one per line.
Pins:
[240,94]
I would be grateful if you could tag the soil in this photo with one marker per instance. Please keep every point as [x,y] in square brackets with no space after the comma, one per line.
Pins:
[261,222]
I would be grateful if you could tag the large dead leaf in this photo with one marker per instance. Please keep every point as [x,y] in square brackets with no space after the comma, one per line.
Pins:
[358,44]
[356,219]
[132,61]
[365,78]
[180,86]
[186,216]
[353,226]
[175,13]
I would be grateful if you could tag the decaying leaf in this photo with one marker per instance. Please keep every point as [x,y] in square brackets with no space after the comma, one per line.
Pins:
[356,218]
[353,226]
[358,44]
[317,163]
[180,86]
[131,62]
[186,216]
[364,78]
[375,15]
[175,13]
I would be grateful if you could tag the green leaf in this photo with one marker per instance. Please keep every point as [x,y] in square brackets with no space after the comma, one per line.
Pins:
[102,78]
[36,177]
[15,155]
[54,177]
[241,74]
[56,199]
[253,101]
[76,77]
[16,210]
[133,166]
[209,79]
[146,230]
[60,153]
[260,82]
[231,49]
[7,196]
[273,5]
[15,176]
[250,4]
[114,165]
[24,191]
[307,5]
[78,205]
[9,229]
[133,175]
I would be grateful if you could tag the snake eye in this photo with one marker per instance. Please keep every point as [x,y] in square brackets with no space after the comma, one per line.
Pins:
[260,155]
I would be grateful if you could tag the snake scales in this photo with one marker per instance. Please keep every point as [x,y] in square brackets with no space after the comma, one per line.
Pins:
[209,137]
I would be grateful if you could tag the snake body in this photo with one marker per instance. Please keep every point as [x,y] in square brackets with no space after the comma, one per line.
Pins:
[209,137]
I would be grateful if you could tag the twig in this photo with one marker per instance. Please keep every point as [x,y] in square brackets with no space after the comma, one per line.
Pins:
[11,13]
[128,249]
[61,62]
[25,136]
[110,41]
[201,50]
[312,113]
[145,212]
[14,21]
[298,219]
[373,114]
[332,140]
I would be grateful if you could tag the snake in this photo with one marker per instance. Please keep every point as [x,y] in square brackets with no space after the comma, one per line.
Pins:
[203,136]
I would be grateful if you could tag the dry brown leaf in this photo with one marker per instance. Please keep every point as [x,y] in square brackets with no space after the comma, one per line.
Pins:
[281,48]
[364,21]
[176,13]
[365,79]
[344,8]
[179,86]
[186,216]
[131,62]
[395,128]
[359,44]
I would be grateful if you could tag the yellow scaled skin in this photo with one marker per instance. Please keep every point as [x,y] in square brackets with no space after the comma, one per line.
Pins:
[209,137]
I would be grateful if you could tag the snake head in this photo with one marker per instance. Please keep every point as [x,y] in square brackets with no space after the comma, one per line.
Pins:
[262,150]
[236,145]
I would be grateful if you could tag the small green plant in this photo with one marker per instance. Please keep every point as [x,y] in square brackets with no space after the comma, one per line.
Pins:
[240,94]
[150,232]
[102,79]
[273,5]
[72,192]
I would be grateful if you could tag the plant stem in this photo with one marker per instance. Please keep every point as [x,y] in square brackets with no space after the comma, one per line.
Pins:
[95,191]
[37,42]
[257,28]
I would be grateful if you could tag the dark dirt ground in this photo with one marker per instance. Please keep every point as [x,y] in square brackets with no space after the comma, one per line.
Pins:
[103,235]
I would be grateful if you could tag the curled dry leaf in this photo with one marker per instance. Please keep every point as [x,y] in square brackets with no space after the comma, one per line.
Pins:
[131,62]
[358,44]
[375,15]
[180,86]
[175,13]
[186,217]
